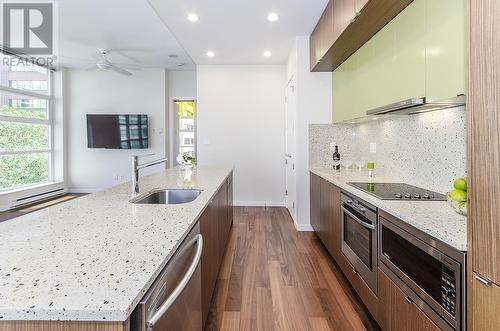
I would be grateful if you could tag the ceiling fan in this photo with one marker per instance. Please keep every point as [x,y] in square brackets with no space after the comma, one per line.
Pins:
[102,63]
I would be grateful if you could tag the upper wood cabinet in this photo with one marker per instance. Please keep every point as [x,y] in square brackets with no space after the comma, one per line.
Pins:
[343,14]
[358,5]
[345,26]
[322,36]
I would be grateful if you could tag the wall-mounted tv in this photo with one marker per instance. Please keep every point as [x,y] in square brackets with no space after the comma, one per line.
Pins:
[110,131]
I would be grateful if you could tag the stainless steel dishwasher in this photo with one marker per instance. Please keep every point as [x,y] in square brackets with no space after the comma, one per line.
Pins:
[173,302]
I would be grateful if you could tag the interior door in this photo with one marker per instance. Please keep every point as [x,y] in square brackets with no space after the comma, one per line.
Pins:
[290,113]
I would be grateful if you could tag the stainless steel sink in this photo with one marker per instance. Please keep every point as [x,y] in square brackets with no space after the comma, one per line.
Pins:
[167,196]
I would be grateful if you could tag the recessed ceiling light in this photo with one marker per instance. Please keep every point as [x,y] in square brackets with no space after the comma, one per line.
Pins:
[210,54]
[375,118]
[192,17]
[267,53]
[272,17]
[181,64]
[173,56]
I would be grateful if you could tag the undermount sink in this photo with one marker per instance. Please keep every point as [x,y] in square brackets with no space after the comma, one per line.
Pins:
[167,196]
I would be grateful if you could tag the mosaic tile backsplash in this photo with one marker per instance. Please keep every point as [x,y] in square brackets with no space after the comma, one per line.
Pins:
[426,150]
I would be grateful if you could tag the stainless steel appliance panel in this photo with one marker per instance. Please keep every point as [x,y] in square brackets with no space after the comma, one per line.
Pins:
[174,300]
[433,275]
[359,237]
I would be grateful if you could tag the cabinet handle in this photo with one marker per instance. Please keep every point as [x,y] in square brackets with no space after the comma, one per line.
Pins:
[408,299]
[482,279]
[352,20]
[355,271]
[357,13]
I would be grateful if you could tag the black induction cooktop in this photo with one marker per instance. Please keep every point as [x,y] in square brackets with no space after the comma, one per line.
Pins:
[398,191]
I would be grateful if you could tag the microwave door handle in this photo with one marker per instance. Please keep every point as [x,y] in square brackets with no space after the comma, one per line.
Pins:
[180,287]
[364,224]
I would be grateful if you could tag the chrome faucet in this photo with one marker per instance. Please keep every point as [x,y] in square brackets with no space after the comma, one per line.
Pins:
[136,167]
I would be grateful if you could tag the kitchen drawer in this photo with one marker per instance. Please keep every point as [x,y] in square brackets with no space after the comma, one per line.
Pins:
[365,293]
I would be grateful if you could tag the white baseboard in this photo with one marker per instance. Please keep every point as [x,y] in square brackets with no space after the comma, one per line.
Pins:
[259,204]
[303,227]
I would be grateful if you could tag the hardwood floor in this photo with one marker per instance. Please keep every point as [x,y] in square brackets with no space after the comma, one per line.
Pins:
[275,278]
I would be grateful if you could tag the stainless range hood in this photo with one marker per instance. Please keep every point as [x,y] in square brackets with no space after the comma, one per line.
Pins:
[417,105]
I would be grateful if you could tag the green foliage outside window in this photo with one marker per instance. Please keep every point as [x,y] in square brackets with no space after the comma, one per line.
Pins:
[23,169]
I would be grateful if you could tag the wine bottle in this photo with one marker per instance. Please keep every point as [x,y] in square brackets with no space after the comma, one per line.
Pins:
[336,158]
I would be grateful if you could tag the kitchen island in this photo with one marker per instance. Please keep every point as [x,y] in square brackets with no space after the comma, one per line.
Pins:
[92,259]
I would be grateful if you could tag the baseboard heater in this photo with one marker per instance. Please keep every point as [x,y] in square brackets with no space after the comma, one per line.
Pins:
[37,197]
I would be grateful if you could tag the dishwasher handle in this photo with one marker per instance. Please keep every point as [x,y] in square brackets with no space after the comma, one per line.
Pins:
[182,284]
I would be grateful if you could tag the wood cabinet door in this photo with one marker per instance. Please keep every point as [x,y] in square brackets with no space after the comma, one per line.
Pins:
[322,37]
[485,306]
[359,4]
[230,209]
[396,311]
[209,257]
[343,13]
[327,216]
[483,126]
[314,199]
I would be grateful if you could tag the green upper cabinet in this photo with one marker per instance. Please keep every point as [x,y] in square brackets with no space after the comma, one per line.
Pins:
[419,53]
[445,53]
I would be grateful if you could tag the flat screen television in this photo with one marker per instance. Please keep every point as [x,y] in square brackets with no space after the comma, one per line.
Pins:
[128,131]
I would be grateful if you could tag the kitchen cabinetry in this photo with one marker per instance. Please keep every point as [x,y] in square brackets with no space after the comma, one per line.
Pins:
[358,5]
[420,53]
[315,203]
[215,225]
[343,13]
[325,213]
[397,311]
[345,26]
[322,36]
[483,168]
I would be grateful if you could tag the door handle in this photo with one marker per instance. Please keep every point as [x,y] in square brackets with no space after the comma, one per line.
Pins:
[363,224]
[408,299]
[482,279]
[180,287]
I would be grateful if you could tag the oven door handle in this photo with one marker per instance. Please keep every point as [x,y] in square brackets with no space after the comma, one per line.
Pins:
[354,217]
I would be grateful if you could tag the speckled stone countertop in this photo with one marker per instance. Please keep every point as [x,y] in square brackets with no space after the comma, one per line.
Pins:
[93,258]
[435,218]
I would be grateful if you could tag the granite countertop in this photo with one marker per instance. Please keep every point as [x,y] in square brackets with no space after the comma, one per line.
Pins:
[93,258]
[435,218]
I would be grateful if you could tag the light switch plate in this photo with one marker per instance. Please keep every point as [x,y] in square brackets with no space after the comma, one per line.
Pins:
[373,147]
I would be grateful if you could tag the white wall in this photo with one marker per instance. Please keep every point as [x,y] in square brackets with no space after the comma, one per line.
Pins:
[313,92]
[241,122]
[181,83]
[91,170]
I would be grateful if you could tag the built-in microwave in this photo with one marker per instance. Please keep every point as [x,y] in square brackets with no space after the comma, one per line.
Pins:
[434,271]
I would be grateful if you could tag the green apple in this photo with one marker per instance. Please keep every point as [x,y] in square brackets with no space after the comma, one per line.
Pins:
[458,195]
[460,184]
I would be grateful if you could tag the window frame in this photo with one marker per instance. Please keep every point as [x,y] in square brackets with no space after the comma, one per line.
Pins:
[49,122]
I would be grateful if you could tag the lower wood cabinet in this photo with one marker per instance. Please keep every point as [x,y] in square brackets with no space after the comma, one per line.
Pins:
[484,305]
[325,213]
[389,306]
[397,311]
[215,225]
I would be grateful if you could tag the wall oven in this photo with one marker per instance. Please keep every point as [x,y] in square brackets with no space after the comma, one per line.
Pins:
[359,237]
[434,271]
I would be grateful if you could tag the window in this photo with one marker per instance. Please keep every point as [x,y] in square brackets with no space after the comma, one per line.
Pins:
[25,126]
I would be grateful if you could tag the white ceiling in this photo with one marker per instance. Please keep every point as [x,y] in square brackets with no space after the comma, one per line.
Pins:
[237,30]
[129,25]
